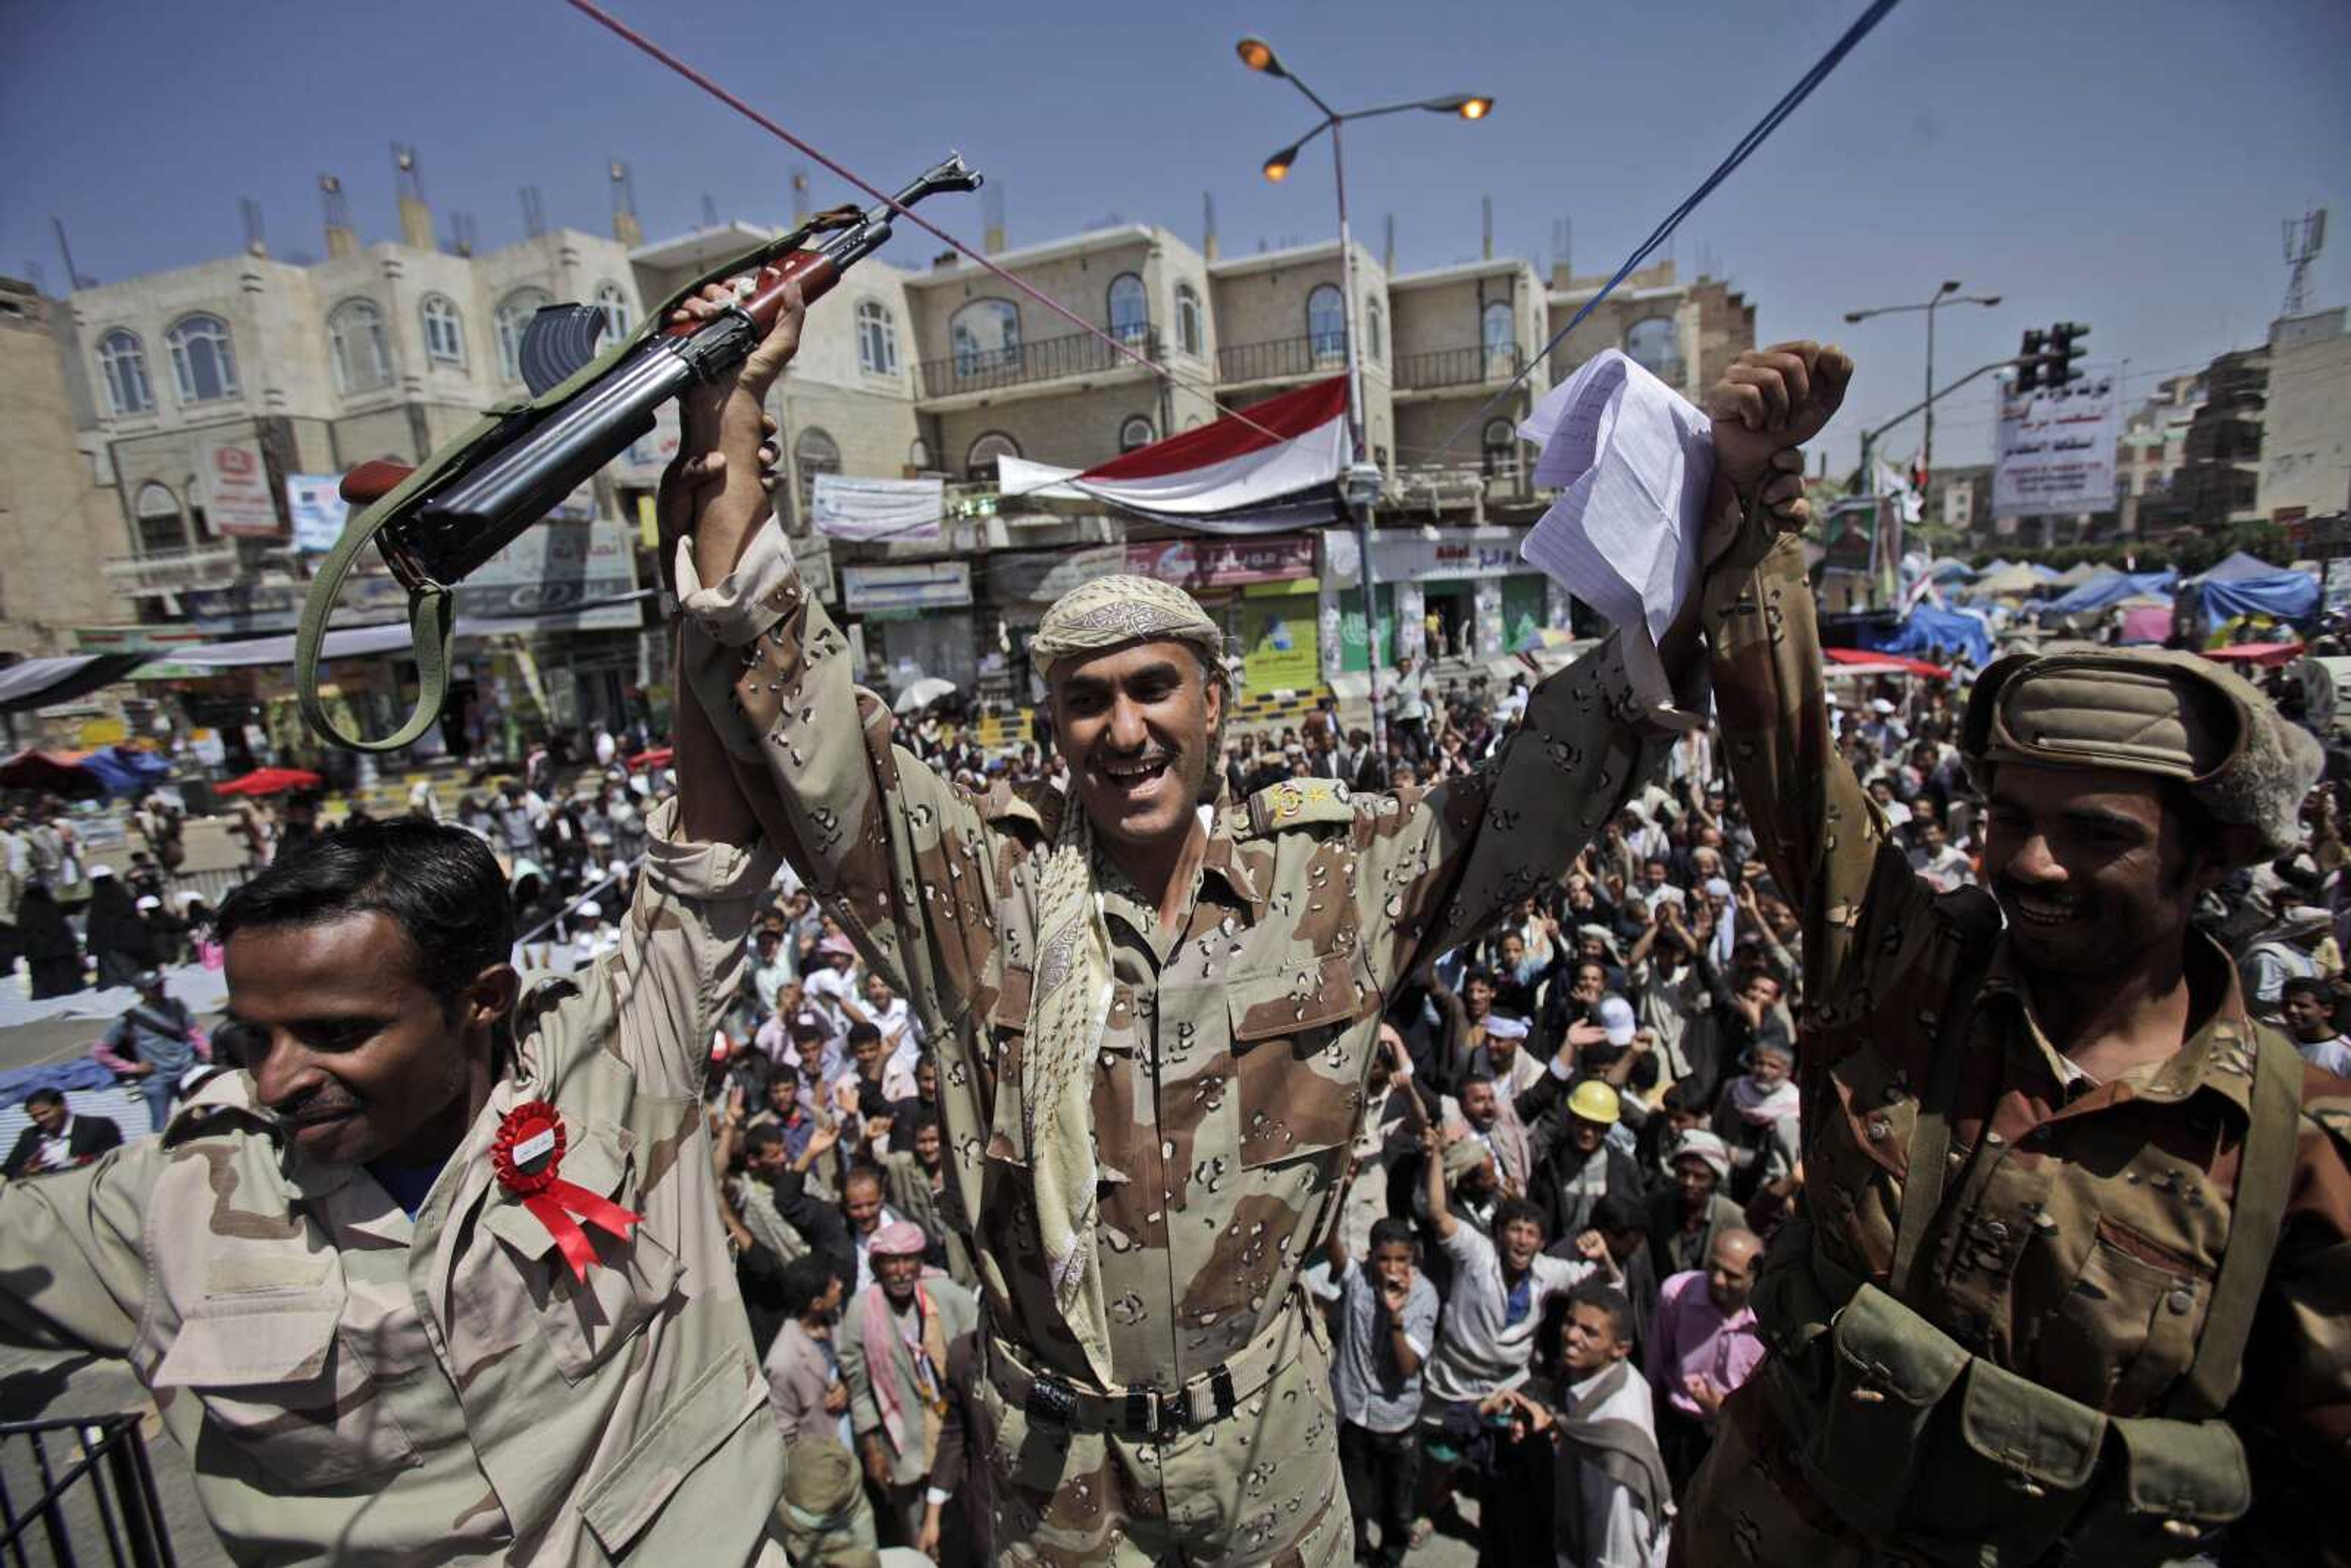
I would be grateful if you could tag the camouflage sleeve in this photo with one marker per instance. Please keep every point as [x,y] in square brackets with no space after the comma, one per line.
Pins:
[1824,841]
[1444,866]
[73,1261]
[681,957]
[893,851]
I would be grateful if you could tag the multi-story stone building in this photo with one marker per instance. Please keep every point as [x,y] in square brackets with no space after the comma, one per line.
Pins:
[386,351]
[2306,434]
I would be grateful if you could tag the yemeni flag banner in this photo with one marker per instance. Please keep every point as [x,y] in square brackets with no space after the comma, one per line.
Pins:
[1277,469]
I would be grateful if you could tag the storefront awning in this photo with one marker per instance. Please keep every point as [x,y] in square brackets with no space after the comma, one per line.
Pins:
[44,683]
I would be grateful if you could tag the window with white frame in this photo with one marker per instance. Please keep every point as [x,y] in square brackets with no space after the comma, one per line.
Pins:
[514,314]
[1500,448]
[615,307]
[123,360]
[979,462]
[1130,308]
[445,333]
[813,452]
[1498,329]
[918,456]
[1135,431]
[204,361]
[985,336]
[877,338]
[1375,332]
[355,337]
[1654,345]
[1189,334]
[1326,322]
[160,524]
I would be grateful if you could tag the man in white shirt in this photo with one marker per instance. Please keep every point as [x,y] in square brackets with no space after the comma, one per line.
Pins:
[1934,857]
[2309,1010]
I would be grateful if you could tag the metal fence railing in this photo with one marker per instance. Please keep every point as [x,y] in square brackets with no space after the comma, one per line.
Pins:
[117,1509]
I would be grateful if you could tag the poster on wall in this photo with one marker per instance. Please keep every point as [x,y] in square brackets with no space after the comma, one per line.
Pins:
[1279,648]
[237,490]
[850,508]
[315,502]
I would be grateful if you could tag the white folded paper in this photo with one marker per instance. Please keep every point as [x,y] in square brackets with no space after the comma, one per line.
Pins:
[1637,459]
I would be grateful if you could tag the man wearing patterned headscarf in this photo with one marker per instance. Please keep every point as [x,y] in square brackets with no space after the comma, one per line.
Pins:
[1155,1008]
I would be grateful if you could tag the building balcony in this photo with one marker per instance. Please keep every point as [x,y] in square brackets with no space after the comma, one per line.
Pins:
[1283,358]
[213,565]
[1476,365]
[981,371]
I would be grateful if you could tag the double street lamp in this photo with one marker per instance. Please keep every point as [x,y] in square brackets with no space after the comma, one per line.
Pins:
[1946,295]
[1361,484]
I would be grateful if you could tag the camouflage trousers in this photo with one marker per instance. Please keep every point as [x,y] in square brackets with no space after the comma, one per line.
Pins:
[1261,1486]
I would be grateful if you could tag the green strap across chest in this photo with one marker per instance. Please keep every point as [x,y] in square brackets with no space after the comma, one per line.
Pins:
[432,622]
[1930,1138]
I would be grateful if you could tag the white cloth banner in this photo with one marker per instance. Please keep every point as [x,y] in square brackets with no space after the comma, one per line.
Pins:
[315,503]
[879,509]
[1637,459]
[2056,449]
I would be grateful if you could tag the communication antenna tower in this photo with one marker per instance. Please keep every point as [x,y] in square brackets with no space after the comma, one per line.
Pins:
[534,211]
[2304,238]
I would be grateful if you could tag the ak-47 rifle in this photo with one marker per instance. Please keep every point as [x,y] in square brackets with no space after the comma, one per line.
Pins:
[437,522]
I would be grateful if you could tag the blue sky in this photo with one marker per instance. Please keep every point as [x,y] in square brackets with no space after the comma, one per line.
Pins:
[2122,164]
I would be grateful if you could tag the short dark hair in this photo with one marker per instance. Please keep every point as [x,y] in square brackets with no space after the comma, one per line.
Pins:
[43,1097]
[859,1033]
[1392,1230]
[928,1117]
[805,1280]
[1609,1299]
[2308,986]
[765,1136]
[861,1171]
[1512,1210]
[1617,1213]
[440,884]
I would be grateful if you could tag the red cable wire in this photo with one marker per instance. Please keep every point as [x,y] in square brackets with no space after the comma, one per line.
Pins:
[629,35]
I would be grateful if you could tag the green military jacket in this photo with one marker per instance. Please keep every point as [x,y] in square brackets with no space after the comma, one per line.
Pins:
[356,1385]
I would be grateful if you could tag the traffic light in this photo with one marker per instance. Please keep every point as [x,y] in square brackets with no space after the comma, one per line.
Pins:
[2062,354]
[2028,363]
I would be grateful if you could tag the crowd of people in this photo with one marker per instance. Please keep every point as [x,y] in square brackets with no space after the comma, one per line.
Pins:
[1580,1131]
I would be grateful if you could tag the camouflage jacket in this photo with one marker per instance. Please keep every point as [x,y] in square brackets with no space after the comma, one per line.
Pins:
[2083,1225]
[356,1385]
[1235,1054]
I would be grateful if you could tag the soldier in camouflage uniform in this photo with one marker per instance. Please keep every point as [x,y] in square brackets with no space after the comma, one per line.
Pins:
[1154,1011]
[2055,1176]
[371,1347]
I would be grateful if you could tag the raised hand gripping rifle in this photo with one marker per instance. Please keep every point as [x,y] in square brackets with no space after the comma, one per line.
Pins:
[435,523]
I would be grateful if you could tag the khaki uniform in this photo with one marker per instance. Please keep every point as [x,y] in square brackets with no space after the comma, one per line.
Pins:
[2079,1235]
[1232,1069]
[355,1385]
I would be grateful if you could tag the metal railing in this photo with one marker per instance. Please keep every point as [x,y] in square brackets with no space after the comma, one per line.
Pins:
[1022,364]
[120,1498]
[1471,366]
[1317,353]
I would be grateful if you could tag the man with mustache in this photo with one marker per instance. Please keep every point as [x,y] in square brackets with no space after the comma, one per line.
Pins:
[443,1275]
[2055,1174]
[1154,1009]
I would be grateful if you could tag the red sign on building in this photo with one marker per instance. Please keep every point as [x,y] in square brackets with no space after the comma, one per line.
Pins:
[1224,563]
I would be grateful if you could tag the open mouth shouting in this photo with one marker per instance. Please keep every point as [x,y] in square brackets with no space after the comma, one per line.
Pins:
[1138,779]
[2041,909]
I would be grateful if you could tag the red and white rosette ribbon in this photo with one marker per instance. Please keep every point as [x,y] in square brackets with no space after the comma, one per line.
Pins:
[528,1156]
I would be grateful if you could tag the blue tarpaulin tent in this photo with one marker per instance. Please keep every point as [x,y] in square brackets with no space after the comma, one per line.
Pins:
[2112,588]
[2282,595]
[1927,633]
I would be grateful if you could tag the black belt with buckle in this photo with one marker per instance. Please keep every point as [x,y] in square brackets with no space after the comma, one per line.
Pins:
[1141,1411]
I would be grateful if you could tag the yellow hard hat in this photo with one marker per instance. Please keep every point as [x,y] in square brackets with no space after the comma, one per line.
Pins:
[1594,1101]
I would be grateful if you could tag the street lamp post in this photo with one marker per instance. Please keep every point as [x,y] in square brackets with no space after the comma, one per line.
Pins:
[1361,485]
[1949,294]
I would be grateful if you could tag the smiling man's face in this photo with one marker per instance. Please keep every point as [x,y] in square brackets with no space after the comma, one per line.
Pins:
[1134,725]
[2090,867]
[355,1056]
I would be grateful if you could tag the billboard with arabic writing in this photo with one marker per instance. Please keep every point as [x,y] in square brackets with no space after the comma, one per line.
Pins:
[2056,450]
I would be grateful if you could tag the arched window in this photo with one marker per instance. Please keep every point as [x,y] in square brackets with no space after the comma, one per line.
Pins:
[1130,309]
[986,334]
[918,456]
[123,360]
[355,334]
[1498,329]
[979,462]
[204,361]
[162,525]
[444,333]
[877,338]
[1653,345]
[1326,322]
[1375,332]
[514,314]
[615,307]
[1189,337]
[814,453]
[1499,449]
[1135,431]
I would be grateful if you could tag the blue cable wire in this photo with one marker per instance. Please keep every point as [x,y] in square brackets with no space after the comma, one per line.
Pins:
[1657,236]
